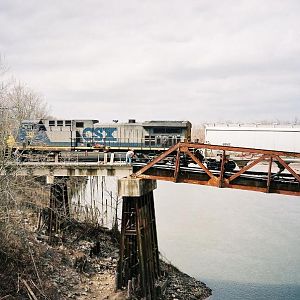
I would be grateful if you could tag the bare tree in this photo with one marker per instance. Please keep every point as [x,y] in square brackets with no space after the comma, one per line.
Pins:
[17,102]
[24,103]
[4,127]
[198,132]
[16,254]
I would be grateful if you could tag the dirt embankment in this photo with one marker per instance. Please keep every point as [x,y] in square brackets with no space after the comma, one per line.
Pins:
[79,264]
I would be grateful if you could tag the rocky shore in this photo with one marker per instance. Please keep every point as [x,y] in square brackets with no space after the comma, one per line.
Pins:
[81,264]
[94,276]
[183,286]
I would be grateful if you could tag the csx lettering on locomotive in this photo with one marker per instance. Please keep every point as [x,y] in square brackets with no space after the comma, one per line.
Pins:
[99,134]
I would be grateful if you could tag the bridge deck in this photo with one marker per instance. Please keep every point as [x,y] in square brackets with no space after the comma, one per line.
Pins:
[70,169]
[284,180]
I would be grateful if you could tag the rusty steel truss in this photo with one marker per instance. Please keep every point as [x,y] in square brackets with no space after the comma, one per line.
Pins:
[285,181]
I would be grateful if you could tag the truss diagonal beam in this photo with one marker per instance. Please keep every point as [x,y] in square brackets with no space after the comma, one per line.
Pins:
[288,168]
[247,167]
[156,160]
[199,163]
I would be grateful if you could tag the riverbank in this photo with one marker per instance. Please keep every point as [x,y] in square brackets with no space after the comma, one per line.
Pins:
[183,286]
[78,264]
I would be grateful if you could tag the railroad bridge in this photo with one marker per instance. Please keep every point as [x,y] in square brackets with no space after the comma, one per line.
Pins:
[260,170]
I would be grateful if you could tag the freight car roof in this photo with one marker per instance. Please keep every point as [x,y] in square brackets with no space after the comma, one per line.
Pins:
[255,128]
[250,125]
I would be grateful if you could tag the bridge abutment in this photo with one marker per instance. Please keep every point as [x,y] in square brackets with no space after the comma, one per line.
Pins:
[139,257]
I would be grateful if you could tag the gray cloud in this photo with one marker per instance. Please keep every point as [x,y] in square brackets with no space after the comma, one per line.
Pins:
[201,60]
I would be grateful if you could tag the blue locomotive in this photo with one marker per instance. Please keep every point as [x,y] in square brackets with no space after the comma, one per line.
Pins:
[90,134]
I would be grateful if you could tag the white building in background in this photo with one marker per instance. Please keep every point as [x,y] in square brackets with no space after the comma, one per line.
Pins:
[272,137]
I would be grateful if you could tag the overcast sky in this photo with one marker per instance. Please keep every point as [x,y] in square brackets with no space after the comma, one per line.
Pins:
[196,60]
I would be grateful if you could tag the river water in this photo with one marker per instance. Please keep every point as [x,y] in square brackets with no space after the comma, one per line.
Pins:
[244,245]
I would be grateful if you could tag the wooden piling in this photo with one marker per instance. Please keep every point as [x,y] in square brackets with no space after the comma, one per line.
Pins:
[139,257]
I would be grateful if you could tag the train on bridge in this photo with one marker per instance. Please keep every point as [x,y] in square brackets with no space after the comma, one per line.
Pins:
[89,139]
[47,134]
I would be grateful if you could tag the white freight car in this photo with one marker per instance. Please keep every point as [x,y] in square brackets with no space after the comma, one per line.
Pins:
[282,138]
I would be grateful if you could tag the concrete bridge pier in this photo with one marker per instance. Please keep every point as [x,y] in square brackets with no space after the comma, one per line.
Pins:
[59,209]
[138,266]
